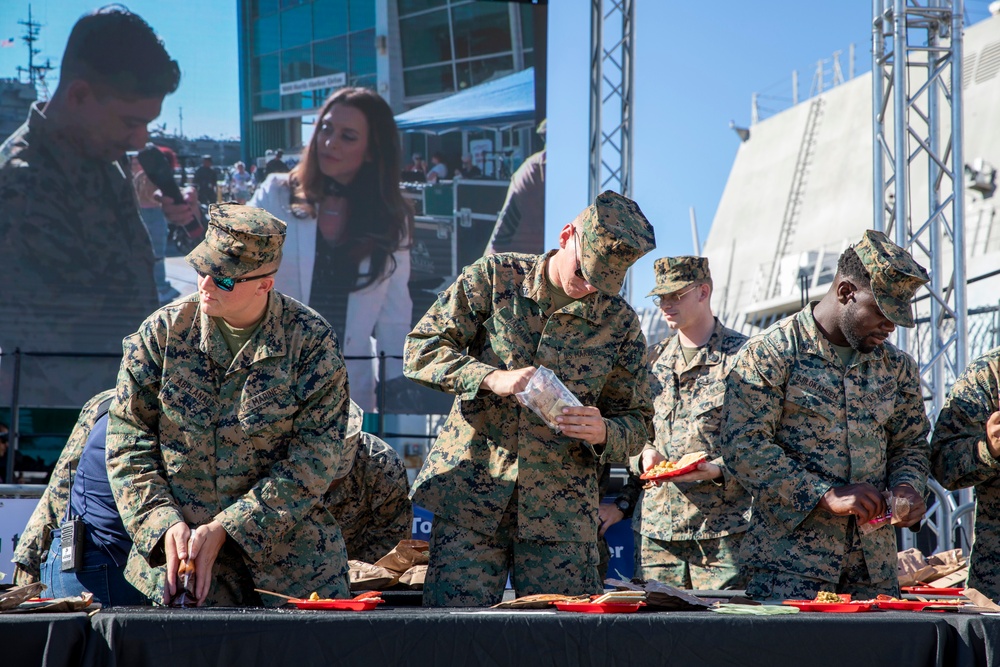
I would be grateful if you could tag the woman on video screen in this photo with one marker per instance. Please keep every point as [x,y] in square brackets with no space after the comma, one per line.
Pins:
[347,253]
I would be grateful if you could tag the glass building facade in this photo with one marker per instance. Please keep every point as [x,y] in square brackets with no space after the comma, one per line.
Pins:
[447,46]
[411,51]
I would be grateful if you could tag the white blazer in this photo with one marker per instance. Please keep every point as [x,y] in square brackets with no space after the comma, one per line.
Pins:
[378,316]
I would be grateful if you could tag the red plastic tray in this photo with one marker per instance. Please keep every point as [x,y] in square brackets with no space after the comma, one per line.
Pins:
[843,607]
[600,608]
[343,605]
[912,605]
[673,473]
[930,590]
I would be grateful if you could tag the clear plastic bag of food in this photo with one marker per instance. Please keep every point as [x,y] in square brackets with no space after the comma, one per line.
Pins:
[546,395]
[896,508]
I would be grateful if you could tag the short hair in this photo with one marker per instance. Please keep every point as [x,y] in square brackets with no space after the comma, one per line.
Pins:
[115,49]
[849,266]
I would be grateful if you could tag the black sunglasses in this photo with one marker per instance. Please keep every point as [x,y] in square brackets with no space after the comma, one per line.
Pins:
[228,284]
[576,250]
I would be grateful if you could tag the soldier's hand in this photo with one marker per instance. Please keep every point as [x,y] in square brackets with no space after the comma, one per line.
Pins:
[649,458]
[507,383]
[862,500]
[993,434]
[206,543]
[917,505]
[175,546]
[609,515]
[585,423]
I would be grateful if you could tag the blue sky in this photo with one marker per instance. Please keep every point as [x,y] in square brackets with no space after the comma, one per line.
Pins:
[697,64]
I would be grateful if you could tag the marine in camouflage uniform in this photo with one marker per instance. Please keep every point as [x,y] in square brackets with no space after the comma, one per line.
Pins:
[249,441]
[370,494]
[510,494]
[33,545]
[817,433]
[689,529]
[965,452]
[78,259]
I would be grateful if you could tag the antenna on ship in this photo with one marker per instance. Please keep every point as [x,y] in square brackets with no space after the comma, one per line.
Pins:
[36,73]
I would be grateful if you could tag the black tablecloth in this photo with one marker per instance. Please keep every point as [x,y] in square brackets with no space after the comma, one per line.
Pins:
[436,637]
[52,640]
[415,636]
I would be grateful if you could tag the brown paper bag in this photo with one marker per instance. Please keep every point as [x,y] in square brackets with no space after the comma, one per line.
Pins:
[414,577]
[404,555]
[367,577]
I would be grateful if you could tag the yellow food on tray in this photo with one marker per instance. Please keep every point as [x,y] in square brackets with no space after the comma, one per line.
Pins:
[828,597]
[670,466]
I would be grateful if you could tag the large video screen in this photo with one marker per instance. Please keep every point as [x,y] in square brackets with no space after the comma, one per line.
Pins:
[465,81]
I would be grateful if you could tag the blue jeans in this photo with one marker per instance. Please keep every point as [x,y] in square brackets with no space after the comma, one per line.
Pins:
[99,575]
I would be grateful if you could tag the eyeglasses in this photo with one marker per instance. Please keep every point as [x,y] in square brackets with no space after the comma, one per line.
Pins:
[228,284]
[576,251]
[671,299]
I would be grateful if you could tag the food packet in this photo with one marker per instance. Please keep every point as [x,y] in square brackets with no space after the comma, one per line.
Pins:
[546,395]
[896,508]
[185,597]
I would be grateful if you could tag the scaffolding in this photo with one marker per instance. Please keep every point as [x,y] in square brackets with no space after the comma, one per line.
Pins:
[917,135]
[612,49]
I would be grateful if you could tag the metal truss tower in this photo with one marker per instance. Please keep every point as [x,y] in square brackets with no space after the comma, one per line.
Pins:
[917,149]
[917,131]
[612,49]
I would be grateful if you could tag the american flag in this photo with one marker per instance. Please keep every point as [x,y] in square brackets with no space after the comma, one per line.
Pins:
[7,42]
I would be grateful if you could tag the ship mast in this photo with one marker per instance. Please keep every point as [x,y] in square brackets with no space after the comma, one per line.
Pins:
[35,73]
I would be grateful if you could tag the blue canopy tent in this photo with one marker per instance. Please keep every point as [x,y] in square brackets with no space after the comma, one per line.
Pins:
[501,104]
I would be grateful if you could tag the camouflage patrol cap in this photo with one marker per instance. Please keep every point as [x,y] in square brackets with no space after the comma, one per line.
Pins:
[351,440]
[613,235]
[240,239]
[895,276]
[676,273]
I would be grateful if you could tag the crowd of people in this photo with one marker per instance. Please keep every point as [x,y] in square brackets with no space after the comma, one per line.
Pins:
[232,441]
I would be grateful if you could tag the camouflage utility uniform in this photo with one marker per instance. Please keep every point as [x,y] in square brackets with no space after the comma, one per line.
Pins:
[250,440]
[372,503]
[498,479]
[33,545]
[798,423]
[78,258]
[690,532]
[960,458]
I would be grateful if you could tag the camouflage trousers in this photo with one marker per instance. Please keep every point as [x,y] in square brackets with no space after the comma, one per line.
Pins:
[854,579]
[470,569]
[702,564]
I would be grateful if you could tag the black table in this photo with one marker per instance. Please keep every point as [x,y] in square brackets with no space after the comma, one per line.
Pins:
[414,636]
[52,640]
[171,638]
